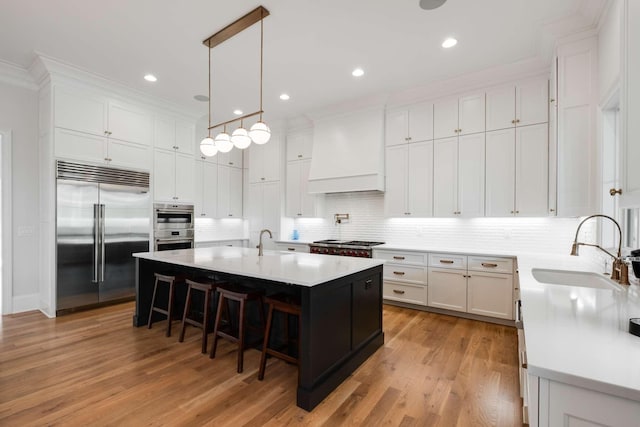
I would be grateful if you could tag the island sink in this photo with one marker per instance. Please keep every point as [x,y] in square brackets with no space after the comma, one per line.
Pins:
[574,278]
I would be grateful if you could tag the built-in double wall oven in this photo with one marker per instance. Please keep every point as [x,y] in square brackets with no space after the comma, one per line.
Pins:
[172,226]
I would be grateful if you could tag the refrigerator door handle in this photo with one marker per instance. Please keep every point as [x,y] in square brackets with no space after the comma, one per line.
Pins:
[102,243]
[96,241]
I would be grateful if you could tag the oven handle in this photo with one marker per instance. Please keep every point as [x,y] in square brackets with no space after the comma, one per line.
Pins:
[163,241]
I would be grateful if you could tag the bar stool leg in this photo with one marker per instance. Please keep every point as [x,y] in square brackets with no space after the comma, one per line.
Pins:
[267,334]
[170,307]
[153,303]
[187,306]
[241,338]
[221,301]
[205,321]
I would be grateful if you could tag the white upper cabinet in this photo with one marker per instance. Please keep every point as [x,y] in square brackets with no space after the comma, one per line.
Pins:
[517,171]
[471,114]
[445,177]
[264,161]
[501,107]
[173,176]
[445,118]
[409,180]
[459,116]
[532,172]
[299,203]
[411,124]
[299,145]
[206,189]
[471,152]
[172,134]
[229,192]
[85,111]
[523,104]
[532,102]
[500,191]
[630,106]
[81,111]
[458,176]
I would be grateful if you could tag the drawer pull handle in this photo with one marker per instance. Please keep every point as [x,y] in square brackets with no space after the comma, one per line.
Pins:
[368,284]
[399,273]
[446,261]
[396,291]
[489,264]
[291,249]
[398,257]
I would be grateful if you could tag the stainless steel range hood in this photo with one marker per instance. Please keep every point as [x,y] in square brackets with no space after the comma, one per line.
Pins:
[348,153]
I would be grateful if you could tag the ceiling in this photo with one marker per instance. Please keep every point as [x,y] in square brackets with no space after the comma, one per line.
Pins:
[310,46]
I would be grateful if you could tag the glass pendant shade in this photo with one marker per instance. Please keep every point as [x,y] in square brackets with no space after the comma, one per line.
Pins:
[223,142]
[240,138]
[260,133]
[208,147]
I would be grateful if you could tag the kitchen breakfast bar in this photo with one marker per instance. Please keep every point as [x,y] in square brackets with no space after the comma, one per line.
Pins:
[341,303]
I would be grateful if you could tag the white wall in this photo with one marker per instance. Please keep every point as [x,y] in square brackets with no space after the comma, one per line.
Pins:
[609,49]
[367,222]
[19,113]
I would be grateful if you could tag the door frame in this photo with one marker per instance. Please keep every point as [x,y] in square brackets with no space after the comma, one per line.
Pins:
[7,221]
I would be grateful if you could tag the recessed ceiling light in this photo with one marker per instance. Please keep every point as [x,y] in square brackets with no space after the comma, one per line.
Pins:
[284,97]
[201,98]
[449,42]
[358,72]
[237,112]
[150,78]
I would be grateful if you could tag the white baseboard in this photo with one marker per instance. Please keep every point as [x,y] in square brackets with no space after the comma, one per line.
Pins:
[26,303]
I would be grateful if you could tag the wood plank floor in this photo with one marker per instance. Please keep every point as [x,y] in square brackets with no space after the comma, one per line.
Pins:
[94,368]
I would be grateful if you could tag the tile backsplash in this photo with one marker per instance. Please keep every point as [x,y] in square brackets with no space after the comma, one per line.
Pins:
[367,222]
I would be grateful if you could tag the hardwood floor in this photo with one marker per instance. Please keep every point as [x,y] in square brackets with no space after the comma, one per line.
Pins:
[94,368]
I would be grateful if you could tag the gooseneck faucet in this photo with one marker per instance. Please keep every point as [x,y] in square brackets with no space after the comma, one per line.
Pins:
[619,269]
[260,243]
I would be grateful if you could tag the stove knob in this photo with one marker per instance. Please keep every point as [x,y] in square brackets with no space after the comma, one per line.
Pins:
[326,251]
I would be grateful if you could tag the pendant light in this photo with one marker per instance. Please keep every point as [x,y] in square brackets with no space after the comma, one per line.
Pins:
[260,132]
[223,141]
[207,145]
[240,137]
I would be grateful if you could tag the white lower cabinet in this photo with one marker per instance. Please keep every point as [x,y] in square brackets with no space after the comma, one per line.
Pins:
[561,404]
[475,284]
[447,289]
[490,294]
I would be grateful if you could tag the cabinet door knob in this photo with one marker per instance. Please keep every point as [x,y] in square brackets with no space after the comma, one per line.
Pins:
[409,139]
[230,215]
[552,210]
[231,163]
[513,121]
[512,212]
[613,191]
[262,179]
[517,120]
[299,156]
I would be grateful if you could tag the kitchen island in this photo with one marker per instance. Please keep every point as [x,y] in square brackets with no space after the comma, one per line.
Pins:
[341,297]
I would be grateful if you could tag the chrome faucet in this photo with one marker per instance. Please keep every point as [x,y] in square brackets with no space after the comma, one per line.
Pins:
[619,269]
[260,244]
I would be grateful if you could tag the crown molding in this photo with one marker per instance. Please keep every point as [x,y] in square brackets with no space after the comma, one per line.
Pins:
[45,68]
[16,76]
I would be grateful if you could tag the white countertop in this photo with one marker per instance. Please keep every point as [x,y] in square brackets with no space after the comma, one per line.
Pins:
[287,267]
[238,239]
[579,335]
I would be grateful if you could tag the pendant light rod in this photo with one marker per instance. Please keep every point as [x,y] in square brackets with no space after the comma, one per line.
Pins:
[209,128]
[261,57]
[246,116]
[237,26]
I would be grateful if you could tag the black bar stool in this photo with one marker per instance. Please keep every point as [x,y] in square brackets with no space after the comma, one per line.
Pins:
[289,306]
[207,286]
[242,296]
[171,279]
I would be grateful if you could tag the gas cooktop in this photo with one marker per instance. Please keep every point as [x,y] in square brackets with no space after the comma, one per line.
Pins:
[339,243]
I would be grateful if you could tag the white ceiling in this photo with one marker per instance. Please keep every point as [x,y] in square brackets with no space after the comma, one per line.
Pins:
[311,46]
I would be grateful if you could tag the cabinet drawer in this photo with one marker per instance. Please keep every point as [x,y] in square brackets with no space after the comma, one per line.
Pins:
[448,261]
[405,273]
[413,294]
[292,247]
[491,264]
[415,258]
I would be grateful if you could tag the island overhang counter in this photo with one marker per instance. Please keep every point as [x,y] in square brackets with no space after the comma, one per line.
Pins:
[341,298]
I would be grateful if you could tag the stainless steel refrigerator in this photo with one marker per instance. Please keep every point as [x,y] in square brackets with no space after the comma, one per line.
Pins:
[102,217]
